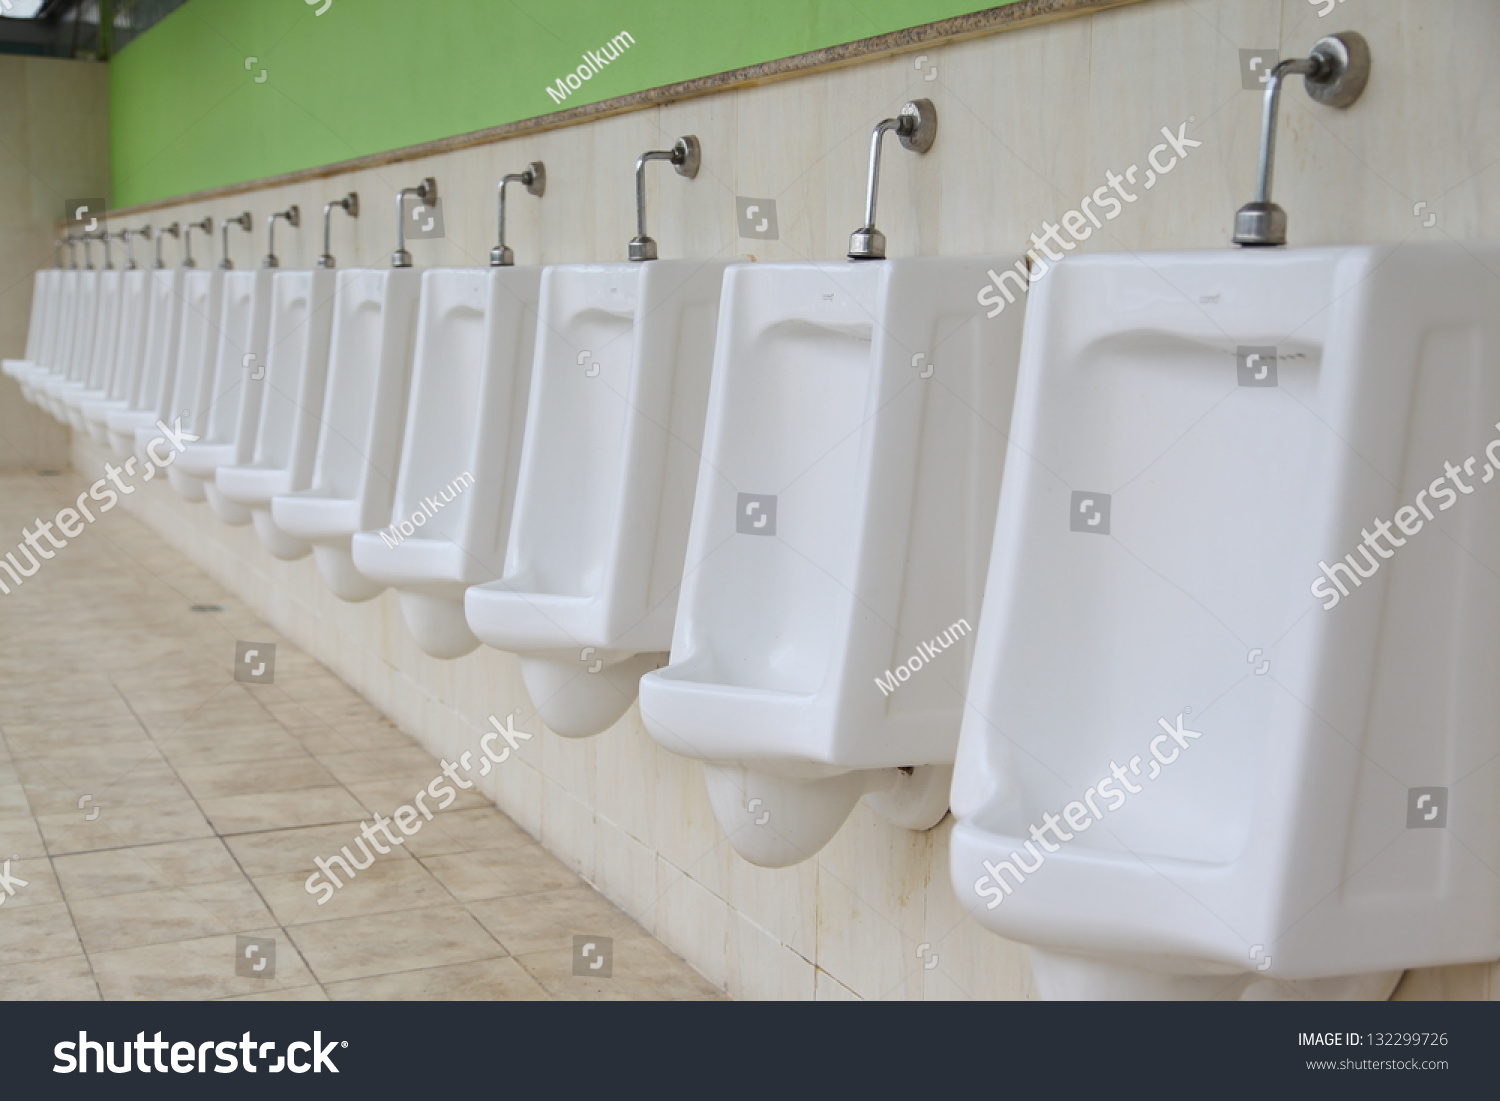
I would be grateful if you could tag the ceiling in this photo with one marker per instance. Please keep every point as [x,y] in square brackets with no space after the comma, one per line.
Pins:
[71,28]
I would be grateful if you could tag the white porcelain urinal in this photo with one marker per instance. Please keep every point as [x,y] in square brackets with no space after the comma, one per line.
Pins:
[94,380]
[846,501]
[197,346]
[80,348]
[364,410]
[150,397]
[285,435]
[39,331]
[232,389]
[594,561]
[1198,760]
[54,355]
[130,345]
[466,417]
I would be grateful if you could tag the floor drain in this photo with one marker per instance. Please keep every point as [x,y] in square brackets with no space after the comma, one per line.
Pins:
[208,608]
[48,473]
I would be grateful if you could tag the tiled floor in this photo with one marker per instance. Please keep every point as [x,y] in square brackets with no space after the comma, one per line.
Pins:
[157,809]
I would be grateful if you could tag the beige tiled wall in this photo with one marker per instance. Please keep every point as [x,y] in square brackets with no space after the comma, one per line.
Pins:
[54,146]
[1030,122]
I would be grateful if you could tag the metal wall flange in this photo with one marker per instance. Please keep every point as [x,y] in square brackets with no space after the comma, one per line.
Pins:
[917,125]
[535,178]
[687,156]
[1335,74]
[1343,69]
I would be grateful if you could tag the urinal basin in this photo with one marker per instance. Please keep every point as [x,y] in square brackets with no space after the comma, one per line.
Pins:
[51,393]
[150,398]
[94,382]
[364,409]
[80,348]
[845,507]
[285,435]
[192,388]
[57,357]
[234,389]
[610,457]
[135,307]
[1195,434]
[39,330]
[57,335]
[466,417]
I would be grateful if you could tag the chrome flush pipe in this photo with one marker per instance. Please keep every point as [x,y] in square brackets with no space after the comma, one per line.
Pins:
[125,236]
[686,155]
[245,222]
[349,204]
[427,192]
[204,226]
[1334,74]
[535,181]
[174,230]
[916,127]
[293,216]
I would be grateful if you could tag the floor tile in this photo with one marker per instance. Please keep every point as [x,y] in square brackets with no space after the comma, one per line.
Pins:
[145,868]
[494,873]
[296,994]
[382,887]
[502,980]
[380,944]
[642,970]
[255,777]
[171,914]
[192,970]
[123,827]
[154,810]
[294,850]
[548,920]
[278,810]
[65,979]
[32,933]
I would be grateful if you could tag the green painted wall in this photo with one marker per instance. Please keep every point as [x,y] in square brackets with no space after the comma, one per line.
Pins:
[188,112]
